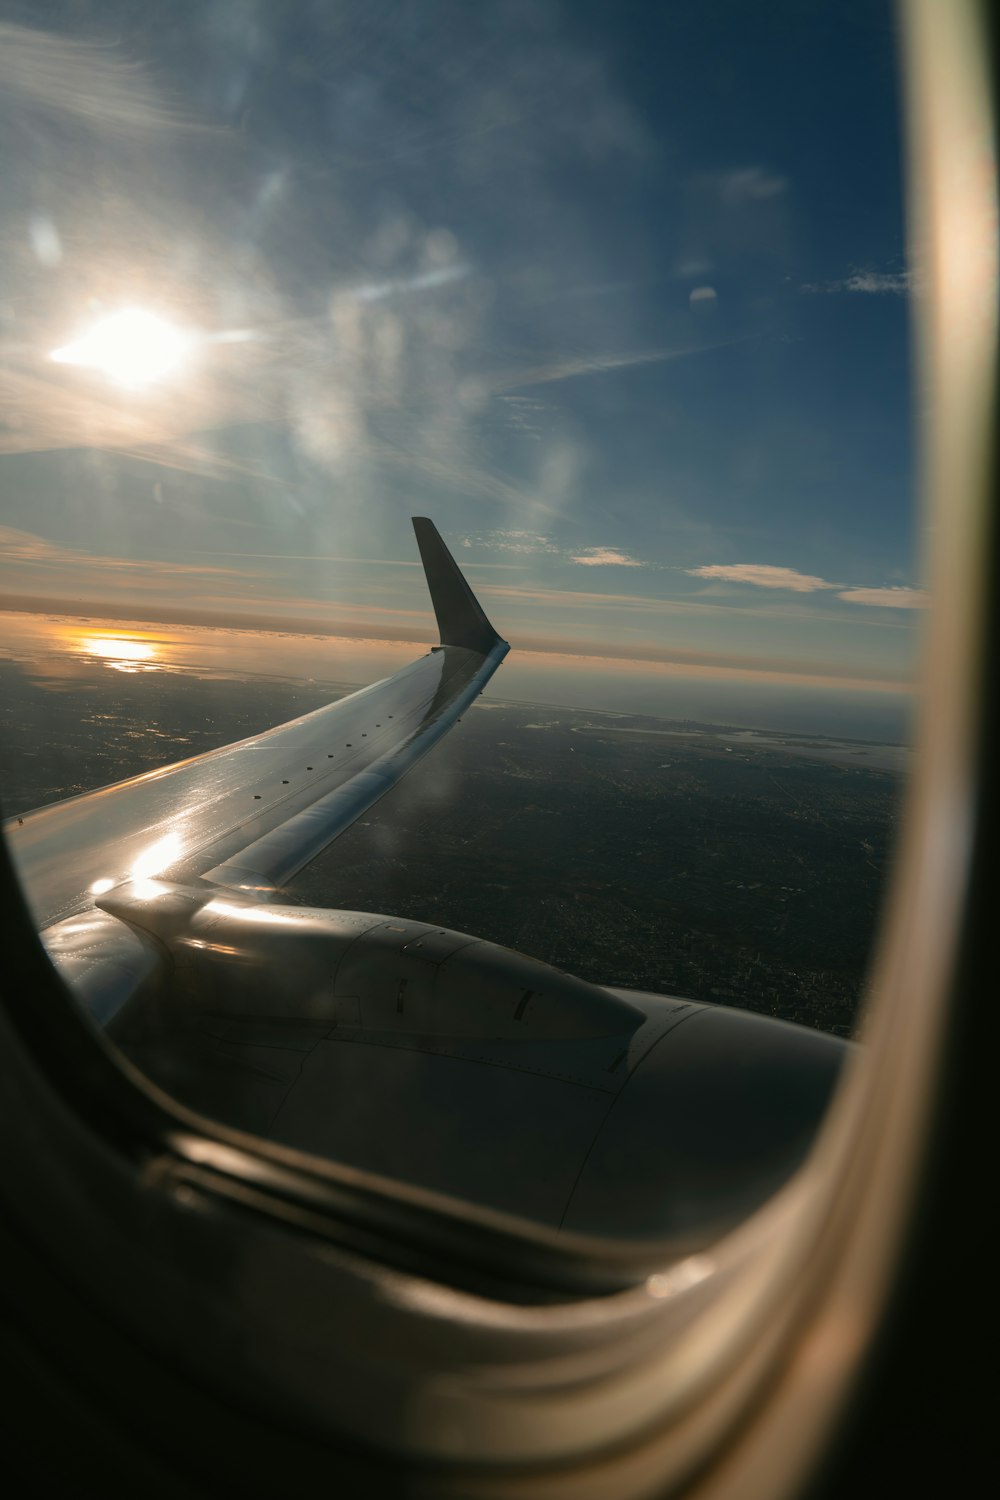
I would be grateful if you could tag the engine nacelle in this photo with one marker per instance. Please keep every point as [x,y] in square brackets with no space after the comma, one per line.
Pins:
[231,954]
[440,1060]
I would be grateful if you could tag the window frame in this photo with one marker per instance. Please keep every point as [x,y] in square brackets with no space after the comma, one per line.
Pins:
[740,1365]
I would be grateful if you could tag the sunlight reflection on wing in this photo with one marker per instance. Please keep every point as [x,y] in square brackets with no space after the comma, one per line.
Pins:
[156,857]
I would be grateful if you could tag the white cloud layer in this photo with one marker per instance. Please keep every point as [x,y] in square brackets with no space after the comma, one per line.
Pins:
[601,557]
[764,576]
[890,598]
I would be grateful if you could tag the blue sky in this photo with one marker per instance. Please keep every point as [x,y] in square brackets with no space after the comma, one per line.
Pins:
[617,294]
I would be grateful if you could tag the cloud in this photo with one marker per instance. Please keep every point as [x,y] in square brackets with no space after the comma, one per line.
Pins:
[84,83]
[598,364]
[879,281]
[873,282]
[521,543]
[53,562]
[703,294]
[889,598]
[764,576]
[424,281]
[751,185]
[522,413]
[602,557]
[768,577]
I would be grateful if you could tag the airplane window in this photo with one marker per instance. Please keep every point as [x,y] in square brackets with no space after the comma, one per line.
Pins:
[615,303]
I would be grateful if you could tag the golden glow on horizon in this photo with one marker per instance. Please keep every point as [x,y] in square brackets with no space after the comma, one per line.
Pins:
[132,348]
[221,650]
[779,676]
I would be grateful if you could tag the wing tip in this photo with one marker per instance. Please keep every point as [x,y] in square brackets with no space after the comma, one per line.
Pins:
[460,617]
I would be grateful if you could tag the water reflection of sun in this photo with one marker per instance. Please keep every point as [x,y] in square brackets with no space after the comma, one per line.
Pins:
[123,653]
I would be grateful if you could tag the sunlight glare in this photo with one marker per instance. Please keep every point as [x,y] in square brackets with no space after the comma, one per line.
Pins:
[117,648]
[156,857]
[132,347]
[123,653]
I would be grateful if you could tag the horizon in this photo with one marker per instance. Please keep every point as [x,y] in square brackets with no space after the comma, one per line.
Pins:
[60,649]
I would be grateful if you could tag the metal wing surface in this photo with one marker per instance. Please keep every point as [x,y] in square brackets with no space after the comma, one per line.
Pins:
[251,814]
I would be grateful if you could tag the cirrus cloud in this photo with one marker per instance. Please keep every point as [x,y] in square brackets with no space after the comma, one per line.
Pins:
[768,576]
[889,598]
[764,576]
[879,281]
[602,557]
[863,279]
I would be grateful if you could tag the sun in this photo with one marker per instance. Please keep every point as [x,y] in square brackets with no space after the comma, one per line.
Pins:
[133,348]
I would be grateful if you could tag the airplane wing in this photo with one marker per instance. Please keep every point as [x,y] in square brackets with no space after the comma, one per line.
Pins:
[251,814]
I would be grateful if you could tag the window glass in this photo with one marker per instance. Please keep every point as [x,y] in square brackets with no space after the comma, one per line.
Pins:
[618,297]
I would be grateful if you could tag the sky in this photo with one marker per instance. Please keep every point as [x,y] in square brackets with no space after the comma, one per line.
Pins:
[617,294]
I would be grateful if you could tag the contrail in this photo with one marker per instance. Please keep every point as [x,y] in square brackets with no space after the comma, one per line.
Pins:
[599,364]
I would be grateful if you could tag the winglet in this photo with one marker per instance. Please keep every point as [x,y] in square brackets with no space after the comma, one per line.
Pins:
[460,618]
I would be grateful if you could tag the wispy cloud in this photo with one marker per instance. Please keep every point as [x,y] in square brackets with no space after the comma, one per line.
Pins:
[531,543]
[520,543]
[751,185]
[598,364]
[23,546]
[87,84]
[376,291]
[522,413]
[764,576]
[889,598]
[604,557]
[877,283]
[659,606]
